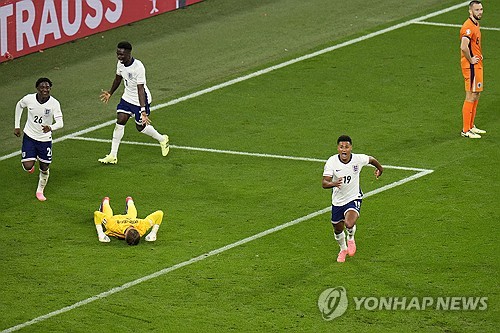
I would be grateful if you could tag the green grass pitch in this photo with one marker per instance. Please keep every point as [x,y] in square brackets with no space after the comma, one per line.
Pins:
[246,244]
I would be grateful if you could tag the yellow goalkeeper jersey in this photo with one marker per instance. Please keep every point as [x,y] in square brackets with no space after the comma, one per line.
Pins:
[117,224]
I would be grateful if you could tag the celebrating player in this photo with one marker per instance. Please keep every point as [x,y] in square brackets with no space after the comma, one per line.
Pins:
[43,109]
[126,226]
[135,101]
[341,173]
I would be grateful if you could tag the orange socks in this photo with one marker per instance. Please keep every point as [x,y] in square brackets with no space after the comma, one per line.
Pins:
[467,115]
[474,109]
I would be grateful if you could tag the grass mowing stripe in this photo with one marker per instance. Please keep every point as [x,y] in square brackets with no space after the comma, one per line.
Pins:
[264,71]
[202,257]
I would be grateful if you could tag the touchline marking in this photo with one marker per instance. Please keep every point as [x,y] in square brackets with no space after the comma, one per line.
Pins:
[233,152]
[263,71]
[452,25]
[204,256]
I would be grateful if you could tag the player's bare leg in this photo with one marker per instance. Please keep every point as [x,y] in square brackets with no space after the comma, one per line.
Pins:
[42,181]
[29,166]
[350,223]
[152,132]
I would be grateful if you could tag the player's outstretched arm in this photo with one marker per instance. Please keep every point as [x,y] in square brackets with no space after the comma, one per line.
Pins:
[380,169]
[103,238]
[151,237]
[106,94]
[155,219]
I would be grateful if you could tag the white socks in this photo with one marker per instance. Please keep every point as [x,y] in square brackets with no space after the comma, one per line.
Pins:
[152,132]
[350,232]
[120,130]
[340,238]
[117,138]
[42,180]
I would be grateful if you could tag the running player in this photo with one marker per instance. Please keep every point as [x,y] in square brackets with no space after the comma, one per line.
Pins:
[135,101]
[43,110]
[341,173]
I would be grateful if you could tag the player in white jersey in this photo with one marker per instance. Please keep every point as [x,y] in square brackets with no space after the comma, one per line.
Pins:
[341,173]
[43,110]
[135,101]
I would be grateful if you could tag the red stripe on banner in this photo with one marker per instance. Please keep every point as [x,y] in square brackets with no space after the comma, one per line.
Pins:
[28,26]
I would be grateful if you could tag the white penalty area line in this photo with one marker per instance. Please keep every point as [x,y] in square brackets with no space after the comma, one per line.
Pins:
[212,253]
[263,71]
[233,152]
[452,25]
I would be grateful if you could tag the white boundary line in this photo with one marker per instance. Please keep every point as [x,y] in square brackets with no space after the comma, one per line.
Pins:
[256,236]
[232,152]
[263,71]
[452,25]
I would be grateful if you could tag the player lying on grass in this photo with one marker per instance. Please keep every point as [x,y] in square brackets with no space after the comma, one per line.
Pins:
[126,226]
[341,173]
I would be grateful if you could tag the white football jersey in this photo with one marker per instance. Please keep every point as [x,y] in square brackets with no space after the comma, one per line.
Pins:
[38,115]
[349,190]
[133,75]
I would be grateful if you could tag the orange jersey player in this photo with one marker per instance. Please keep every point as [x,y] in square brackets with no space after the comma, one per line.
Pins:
[471,56]
[471,61]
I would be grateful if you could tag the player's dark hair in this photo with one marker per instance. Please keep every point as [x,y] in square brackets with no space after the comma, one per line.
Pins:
[43,79]
[344,138]
[124,45]
[474,2]
[132,237]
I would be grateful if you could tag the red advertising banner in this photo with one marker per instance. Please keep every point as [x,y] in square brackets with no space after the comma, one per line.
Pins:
[28,26]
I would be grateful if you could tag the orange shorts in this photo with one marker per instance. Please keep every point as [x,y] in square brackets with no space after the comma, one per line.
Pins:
[473,78]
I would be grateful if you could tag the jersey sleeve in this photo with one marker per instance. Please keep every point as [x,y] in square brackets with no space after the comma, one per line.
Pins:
[465,32]
[19,112]
[58,117]
[118,72]
[141,74]
[364,159]
[328,169]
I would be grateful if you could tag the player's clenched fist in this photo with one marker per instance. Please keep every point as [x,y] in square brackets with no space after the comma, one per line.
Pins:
[105,96]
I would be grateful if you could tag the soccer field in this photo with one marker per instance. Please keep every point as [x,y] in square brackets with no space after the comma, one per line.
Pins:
[253,98]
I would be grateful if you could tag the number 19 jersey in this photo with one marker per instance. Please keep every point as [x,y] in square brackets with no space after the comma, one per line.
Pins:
[349,189]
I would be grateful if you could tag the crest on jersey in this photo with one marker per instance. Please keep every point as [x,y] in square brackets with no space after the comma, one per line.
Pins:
[355,168]
[130,76]
[467,32]
[47,112]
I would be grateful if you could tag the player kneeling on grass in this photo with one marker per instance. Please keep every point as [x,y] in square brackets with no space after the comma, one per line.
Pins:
[126,226]
[341,173]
